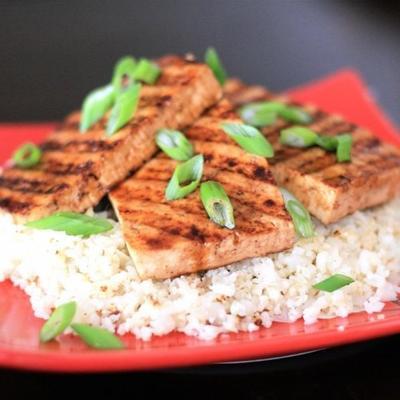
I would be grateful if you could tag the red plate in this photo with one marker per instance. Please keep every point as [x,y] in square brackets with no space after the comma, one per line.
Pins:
[343,93]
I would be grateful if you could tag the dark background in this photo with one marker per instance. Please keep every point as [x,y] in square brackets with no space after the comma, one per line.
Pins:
[53,52]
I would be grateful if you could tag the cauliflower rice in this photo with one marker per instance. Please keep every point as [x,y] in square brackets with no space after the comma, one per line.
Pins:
[54,268]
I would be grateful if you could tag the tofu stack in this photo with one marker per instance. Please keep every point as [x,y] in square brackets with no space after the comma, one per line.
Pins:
[77,170]
[328,189]
[171,238]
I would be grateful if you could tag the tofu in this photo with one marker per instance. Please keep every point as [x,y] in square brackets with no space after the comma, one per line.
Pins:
[330,190]
[171,238]
[77,170]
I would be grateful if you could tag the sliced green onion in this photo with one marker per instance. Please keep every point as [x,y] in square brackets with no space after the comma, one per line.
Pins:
[124,109]
[249,138]
[333,283]
[98,338]
[72,224]
[123,76]
[147,71]
[185,179]
[27,156]
[328,143]
[260,114]
[217,204]
[295,115]
[264,113]
[298,136]
[214,62]
[174,144]
[301,217]
[95,105]
[343,151]
[59,320]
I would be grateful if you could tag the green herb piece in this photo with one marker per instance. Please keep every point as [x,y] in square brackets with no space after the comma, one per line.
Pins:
[328,143]
[343,151]
[301,217]
[260,114]
[95,105]
[147,71]
[98,338]
[217,204]
[27,156]
[295,115]
[124,109]
[72,224]
[124,74]
[174,144]
[333,283]
[298,136]
[185,178]
[214,62]
[59,320]
[249,138]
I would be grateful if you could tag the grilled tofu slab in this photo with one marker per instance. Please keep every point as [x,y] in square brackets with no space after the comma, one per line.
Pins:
[329,190]
[77,170]
[171,238]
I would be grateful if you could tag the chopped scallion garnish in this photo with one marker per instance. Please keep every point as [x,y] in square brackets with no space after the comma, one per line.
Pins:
[298,136]
[333,283]
[27,156]
[174,144]
[123,76]
[124,108]
[295,115]
[72,224]
[95,105]
[301,217]
[343,151]
[185,179]
[249,138]
[147,71]
[217,204]
[59,320]
[328,143]
[265,113]
[260,114]
[97,338]
[214,62]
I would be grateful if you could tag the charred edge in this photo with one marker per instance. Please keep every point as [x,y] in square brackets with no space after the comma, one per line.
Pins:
[31,186]
[87,146]
[338,181]
[263,174]
[266,207]
[285,154]
[57,168]
[242,95]
[339,127]
[317,164]
[155,101]
[14,206]
[367,145]
[176,80]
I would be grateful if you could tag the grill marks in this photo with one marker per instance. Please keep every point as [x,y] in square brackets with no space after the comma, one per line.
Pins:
[31,186]
[171,238]
[86,146]
[77,170]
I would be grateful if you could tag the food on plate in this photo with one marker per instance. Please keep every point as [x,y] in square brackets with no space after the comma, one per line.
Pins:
[326,182]
[77,169]
[170,238]
[161,207]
